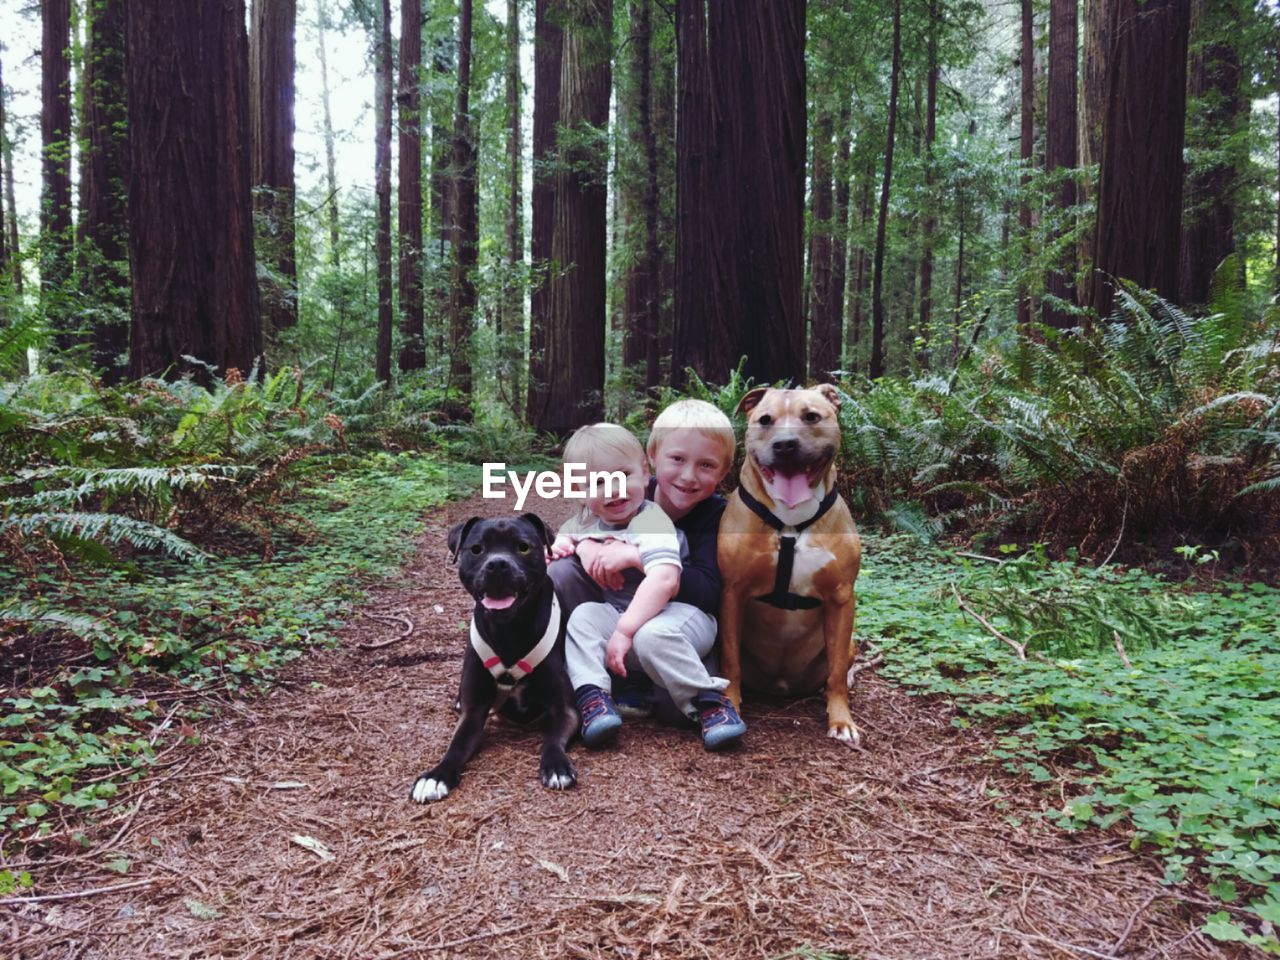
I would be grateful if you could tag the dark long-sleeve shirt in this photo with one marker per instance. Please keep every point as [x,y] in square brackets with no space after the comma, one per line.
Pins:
[700,582]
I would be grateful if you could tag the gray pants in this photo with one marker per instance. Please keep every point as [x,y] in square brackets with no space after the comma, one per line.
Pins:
[674,648]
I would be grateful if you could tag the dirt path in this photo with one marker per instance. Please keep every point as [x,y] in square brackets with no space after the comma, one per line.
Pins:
[794,843]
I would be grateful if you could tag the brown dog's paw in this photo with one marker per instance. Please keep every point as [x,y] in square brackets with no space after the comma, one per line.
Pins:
[846,733]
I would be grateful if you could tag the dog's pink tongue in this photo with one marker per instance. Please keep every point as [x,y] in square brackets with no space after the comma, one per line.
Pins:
[497,603]
[793,490]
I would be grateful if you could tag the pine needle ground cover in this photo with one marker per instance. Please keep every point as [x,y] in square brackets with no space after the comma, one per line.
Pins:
[1143,706]
[111,662]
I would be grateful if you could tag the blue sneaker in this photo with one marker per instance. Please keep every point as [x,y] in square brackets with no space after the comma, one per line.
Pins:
[722,728]
[633,696]
[600,719]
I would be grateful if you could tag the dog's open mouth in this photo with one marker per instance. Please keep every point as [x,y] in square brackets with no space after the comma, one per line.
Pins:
[496,601]
[794,488]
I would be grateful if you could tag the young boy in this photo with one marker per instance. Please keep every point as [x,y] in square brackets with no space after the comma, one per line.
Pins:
[691,448]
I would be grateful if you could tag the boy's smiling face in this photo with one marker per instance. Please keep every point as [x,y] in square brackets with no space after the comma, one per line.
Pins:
[614,509]
[688,464]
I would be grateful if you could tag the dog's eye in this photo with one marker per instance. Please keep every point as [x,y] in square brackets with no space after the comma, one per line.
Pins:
[765,420]
[812,417]
[523,547]
[476,549]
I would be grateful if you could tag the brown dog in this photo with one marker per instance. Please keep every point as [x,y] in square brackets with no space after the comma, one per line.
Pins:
[789,554]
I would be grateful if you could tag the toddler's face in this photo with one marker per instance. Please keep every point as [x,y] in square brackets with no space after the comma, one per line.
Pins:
[688,465]
[615,508]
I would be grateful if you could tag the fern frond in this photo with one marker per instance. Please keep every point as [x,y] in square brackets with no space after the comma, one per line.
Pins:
[105,528]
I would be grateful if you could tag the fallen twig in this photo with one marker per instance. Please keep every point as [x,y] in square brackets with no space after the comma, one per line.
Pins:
[408,630]
[871,664]
[1018,648]
[1128,927]
[1120,650]
[78,894]
[429,947]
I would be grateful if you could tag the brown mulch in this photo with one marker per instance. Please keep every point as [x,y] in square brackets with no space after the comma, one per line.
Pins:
[288,832]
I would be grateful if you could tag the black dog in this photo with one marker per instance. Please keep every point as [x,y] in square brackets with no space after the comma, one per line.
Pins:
[515,660]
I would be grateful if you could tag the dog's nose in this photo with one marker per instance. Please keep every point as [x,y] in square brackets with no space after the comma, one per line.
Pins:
[498,564]
[786,447]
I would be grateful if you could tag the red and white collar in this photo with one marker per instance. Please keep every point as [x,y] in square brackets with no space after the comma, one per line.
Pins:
[508,676]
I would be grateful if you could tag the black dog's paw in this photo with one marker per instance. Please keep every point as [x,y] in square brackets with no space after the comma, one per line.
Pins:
[434,785]
[558,773]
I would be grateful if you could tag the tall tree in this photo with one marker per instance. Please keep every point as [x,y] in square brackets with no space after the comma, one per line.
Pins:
[643,296]
[547,56]
[413,348]
[575,337]
[1026,143]
[1217,146]
[102,243]
[6,150]
[55,136]
[930,221]
[822,342]
[190,204]
[462,303]
[1060,154]
[330,162]
[271,95]
[382,188]
[5,251]
[1140,182]
[877,366]
[840,236]
[740,159]
[510,327]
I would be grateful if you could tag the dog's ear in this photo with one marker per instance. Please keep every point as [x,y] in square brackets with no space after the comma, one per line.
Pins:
[749,401]
[458,536]
[829,391]
[544,531]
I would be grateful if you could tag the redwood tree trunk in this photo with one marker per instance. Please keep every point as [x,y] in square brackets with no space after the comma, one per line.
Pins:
[840,238]
[821,340]
[271,94]
[1208,235]
[547,55]
[462,302]
[55,137]
[930,226]
[382,187]
[876,367]
[15,260]
[511,336]
[103,251]
[194,287]
[413,355]
[1026,143]
[1060,151]
[1140,186]
[740,145]
[575,338]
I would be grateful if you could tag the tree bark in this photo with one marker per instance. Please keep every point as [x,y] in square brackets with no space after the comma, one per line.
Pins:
[740,145]
[860,261]
[462,302]
[1140,186]
[511,312]
[6,150]
[330,164]
[413,354]
[1060,152]
[575,338]
[271,93]
[840,237]
[1026,144]
[1219,113]
[877,366]
[195,289]
[382,188]
[547,56]
[930,216]
[55,137]
[443,103]
[821,339]
[102,240]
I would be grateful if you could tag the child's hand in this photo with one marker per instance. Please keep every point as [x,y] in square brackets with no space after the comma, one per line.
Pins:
[606,565]
[615,652]
[562,546]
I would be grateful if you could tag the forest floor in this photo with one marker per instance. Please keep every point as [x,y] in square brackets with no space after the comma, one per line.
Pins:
[287,831]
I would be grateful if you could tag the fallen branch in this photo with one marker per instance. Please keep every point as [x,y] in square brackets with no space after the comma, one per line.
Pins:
[1120,650]
[1128,927]
[871,664]
[77,895]
[1018,648]
[392,618]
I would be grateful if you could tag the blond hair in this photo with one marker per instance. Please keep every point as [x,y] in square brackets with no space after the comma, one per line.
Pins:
[697,415]
[589,442]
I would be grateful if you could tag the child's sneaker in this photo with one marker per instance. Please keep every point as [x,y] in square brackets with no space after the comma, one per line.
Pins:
[721,726]
[633,695]
[600,719]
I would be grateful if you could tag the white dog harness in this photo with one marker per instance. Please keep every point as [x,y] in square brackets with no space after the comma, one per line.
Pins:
[506,677]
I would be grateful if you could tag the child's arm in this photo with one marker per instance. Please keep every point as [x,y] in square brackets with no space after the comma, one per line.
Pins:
[654,593]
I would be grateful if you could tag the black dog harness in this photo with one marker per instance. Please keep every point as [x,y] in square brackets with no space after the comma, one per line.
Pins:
[506,677]
[781,595]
